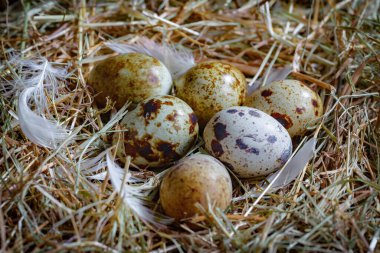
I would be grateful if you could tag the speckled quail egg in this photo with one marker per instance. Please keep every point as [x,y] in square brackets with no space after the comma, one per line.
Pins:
[291,102]
[158,131]
[210,87]
[129,77]
[250,142]
[195,179]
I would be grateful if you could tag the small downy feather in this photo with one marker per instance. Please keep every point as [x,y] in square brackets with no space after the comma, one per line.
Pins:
[33,72]
[34,78]
[134,196]
[275,75]
[92,167]
[294,167]
[286,175]
[177,61]
[39,130]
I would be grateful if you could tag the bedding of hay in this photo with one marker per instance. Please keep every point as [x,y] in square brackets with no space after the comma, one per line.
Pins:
[48,205]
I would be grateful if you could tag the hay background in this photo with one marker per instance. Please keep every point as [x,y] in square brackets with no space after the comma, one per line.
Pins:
[334,206]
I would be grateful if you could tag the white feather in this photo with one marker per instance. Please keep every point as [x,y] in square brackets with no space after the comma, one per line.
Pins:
[35,77]
[177,61]
[294,167]
[92,167]
[34,72]
[134,196]
[286,175]
[275,75]
[39,130]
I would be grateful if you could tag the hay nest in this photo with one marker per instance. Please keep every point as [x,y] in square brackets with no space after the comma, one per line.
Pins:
[48,205]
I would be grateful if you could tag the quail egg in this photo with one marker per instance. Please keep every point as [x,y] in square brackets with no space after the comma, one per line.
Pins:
[291,102]
[196,179]
[129,77]
[210,87]
[158,131]
[250,142]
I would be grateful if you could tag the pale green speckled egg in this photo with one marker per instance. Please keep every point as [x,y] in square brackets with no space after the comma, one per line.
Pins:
[160,130]
[210,87]
[129,77]
[291,102]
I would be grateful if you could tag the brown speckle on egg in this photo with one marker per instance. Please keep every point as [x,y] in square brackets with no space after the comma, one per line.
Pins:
[232,111]
[283,119]
[314,102]
[149,137]
[300,110]
[266,93]
[193,122]
[217,149]
[150,109]
[291,102]
[240,144]
[254,113]
[272,139]
[220,131]
[167,150]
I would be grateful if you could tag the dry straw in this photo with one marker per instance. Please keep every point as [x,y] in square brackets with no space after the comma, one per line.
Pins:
[52,200]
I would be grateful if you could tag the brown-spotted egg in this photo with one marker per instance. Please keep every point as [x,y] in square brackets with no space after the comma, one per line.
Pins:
[158,131]
[250,142]
[197,179]
[291,102]
[210,87]
[129,77]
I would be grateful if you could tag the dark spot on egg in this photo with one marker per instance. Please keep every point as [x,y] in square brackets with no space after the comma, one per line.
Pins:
[193,122]
[240,144]
[241,114]
[300,110]
[220,131]
[314,102]
[266,93]
[232,111]
[151,108]
[272,139]
[254,113]
[283,119]
[217,148]
[255,151]
[167,150]
[172,116]
[139,146]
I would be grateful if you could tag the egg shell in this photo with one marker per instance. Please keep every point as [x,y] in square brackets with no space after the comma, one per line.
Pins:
[210,87]
[291,102]
[195,179]
[158,131]
[250,142]
[129,77]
